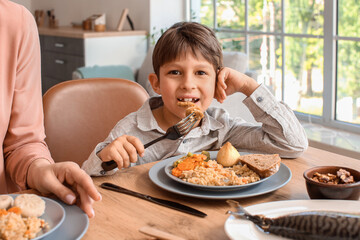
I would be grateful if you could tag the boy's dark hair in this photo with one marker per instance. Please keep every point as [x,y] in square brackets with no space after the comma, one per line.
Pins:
[183,36]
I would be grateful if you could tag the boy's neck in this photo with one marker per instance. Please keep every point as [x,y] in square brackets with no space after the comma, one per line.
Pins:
[163,122]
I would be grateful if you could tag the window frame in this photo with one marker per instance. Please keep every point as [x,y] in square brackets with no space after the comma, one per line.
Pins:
[330,38]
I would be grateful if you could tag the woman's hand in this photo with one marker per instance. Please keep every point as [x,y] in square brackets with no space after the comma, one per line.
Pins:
[66,180]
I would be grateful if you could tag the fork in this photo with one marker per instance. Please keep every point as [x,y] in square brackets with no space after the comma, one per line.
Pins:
[180,129]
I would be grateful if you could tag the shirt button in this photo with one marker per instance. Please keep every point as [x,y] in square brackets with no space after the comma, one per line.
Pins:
[259,99]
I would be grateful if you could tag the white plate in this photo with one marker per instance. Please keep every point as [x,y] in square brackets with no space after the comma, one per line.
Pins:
[158,177]
[213,155]
[54,215]
[238,229]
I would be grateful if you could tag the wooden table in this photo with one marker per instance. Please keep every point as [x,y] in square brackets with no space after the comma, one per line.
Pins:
[119,216]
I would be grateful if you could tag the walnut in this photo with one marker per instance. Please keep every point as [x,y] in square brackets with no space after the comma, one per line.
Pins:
[345,176]
[342,177]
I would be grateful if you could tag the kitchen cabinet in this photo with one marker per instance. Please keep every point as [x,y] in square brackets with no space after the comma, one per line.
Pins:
[65,49]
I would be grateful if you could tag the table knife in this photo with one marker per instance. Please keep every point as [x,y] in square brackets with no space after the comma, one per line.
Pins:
[170,204]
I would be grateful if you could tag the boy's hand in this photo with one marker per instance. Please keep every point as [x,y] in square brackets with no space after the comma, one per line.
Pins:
[230,81]
[122,150]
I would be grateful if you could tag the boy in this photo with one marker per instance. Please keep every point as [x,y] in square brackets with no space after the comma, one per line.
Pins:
[187,61]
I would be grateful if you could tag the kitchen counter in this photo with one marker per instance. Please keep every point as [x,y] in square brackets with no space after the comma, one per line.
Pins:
[65,49]
[67,31]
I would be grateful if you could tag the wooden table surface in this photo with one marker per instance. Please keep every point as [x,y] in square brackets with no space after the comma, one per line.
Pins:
[119,216]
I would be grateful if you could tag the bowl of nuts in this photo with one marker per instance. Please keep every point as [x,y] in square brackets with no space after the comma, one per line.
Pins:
[332,182]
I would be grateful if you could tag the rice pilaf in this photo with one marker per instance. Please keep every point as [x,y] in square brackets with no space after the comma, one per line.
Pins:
[194,169]
[13,226]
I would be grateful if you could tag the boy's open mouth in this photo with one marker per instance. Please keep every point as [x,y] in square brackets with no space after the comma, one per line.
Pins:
[194,100]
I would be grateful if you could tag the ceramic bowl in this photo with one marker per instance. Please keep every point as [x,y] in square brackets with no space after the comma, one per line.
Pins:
[318,190]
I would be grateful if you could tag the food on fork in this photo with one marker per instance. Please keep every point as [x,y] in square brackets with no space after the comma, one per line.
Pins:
[31,205]
[228,155]
[263,164]
[192,108]
[6,201]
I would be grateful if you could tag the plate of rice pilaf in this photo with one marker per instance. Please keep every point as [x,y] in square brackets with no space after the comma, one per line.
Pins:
[12,226]
[198,172]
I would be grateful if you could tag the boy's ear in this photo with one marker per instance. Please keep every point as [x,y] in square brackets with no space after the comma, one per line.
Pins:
[155,83]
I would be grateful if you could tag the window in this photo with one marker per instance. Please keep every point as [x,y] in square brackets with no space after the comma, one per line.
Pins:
[306,51]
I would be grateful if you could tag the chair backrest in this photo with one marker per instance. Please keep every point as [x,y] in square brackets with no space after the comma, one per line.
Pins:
[78,114]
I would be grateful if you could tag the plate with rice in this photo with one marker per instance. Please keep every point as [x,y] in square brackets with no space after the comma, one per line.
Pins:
[207,174]
[52,218]
[157,175]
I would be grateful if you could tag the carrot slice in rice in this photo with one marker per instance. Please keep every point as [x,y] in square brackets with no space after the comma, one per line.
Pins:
[3,212]
[16,210]
[176,172]
[189,163]
[185,166]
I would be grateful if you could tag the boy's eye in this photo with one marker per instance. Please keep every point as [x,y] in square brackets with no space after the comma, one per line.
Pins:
[201,73]
[174,72]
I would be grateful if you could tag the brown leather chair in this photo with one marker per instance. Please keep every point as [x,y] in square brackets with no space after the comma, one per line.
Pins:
[79,114]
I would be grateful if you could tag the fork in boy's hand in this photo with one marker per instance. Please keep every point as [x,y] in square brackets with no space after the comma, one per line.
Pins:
[178,130]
